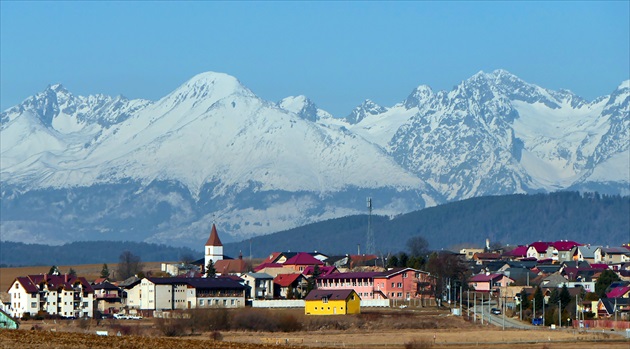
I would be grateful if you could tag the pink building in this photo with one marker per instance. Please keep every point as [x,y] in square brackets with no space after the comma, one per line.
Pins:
[403,283]
[361,282]
[487,282]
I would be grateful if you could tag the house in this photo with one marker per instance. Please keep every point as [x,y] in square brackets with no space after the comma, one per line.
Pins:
[619,292]
[289,286]
[538,250]
[273,269]
[481,257]
[163,293]
[107,297]
[487,282]
[131,294]
[607,307]
[612,255]
[301,261]
[361,282]
[332,302]
[7,322]
[517,253]
[585,253]
[62,295]
[468,253]
[222,292]
[260,284]
[232,266]
[561,250]
[323,271]
[404,283]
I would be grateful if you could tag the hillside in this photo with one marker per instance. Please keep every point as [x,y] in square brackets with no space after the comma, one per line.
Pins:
[510,219]
[87,252]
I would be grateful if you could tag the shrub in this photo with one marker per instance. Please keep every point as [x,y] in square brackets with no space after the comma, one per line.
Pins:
[418,344]
[216,336]
[84,323]
[170,327]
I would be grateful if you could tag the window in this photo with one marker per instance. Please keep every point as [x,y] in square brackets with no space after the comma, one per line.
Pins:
[393,285]
[33,304]
[404,275]
[399,294]
[324,300]
[201,302]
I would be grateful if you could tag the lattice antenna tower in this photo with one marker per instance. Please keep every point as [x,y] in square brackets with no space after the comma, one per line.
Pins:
[369,246]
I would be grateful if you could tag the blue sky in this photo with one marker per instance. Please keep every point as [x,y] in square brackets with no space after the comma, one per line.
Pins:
[336,53]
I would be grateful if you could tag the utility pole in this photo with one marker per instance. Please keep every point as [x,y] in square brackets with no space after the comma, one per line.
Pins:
[460,299]
[482,308]
[468,303]
[559,313]
[475,306]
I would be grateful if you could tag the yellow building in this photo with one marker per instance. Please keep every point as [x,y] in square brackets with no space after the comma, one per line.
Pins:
[332,302]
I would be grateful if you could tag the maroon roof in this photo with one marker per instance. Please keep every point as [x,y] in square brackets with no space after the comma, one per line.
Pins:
[330,294]
[285,280]
[214,240]
[618,292]
[28,285]
[520,251]
[564,245]
[31,282]
[354,275]
[391,272]
[485,278]
[267,265]
[599,266]
[539,246]
[323,271]
[303,258]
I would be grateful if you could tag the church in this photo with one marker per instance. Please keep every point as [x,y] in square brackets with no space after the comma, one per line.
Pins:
[213,251]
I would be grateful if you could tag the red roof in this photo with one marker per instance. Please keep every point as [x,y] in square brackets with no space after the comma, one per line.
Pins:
[226,266]
[272,257]
[31,282]
[485,278]
[303,258]
[564,245]
[214,240]
[540,246]
[285,280]
[330,294]
[267,265]
[323,271]
[599,266]
[618,292]
[520,251]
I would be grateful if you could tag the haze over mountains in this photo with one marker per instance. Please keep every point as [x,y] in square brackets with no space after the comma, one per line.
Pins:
[100,167]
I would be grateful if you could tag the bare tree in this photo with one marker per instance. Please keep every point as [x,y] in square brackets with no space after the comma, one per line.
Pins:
[418,246]
[129,265]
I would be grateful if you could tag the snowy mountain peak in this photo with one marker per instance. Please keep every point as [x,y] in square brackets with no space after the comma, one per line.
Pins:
[300,105]
[422,94]
[364,110]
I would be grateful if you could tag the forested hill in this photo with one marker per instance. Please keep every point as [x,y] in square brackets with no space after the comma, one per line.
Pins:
[88,252]
[509,219]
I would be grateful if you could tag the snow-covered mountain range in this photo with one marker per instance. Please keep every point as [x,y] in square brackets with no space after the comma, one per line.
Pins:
[101,167]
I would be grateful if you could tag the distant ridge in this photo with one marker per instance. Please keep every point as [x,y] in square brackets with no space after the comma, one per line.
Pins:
[510,219]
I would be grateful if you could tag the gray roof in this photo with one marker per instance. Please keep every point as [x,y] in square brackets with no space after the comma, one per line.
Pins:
[260,275]
[588,251]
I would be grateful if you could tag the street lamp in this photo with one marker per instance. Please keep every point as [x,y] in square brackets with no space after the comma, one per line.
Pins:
[559,312]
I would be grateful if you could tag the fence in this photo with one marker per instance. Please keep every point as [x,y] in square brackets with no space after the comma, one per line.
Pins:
[620,325]
[278,303]
[374,303]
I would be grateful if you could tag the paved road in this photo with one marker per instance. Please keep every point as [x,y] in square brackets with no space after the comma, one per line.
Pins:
[498,320]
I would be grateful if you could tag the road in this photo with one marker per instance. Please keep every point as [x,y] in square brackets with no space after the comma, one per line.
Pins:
[498,320]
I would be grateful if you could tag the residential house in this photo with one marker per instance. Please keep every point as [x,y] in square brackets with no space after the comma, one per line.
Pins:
[612,255]
[232,266]
[301,261]
[289,286]
[332,302]
[538,250]
[108,297]
[481,257]
[517,253]
[323,271]
[489,282]
[607,307]
[468,253]
[404,283]
[585,253]
[260,284]
[163,293]
[273,269]
[361,282]
[131,295]
[619,292]
[562,250]
[62,295]
[215,292]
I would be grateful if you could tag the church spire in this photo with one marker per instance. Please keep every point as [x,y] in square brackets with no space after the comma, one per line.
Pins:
[214,240]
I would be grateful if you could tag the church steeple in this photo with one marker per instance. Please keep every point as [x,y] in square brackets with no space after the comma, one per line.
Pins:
[214,247]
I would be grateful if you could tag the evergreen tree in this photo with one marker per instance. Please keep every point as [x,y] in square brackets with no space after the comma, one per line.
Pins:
[105,271]
[53,270]
[72,272]
[211,272]
[565,296]
[539,298]
[290,294]
[524,299]
[553,298]
[392,262]
[403,259]
[606,278]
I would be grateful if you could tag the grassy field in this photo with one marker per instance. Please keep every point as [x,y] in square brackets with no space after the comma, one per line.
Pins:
[386,328]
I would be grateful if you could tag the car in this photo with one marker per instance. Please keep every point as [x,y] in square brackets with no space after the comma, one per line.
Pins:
[121,316]
[134,317]
[495,311]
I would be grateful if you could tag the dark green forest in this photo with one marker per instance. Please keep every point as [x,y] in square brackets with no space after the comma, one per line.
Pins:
[87,252]
[510,219]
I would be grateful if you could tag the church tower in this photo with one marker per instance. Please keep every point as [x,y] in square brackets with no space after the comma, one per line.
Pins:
[214,247]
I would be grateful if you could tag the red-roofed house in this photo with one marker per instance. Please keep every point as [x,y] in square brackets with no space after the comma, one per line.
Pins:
[517,253]
[404,283]
[231,266]
[361,282]
[562,250]
[489,282]
[289,286]
[619,292]
[323,271]
[63,295]
[301,261]
[538,250]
